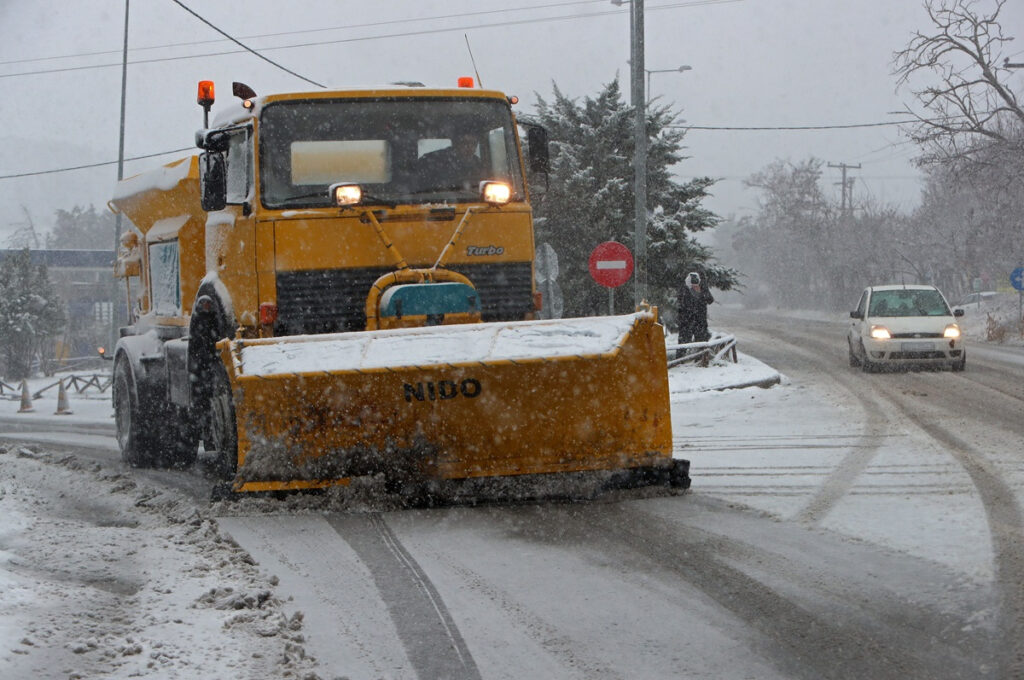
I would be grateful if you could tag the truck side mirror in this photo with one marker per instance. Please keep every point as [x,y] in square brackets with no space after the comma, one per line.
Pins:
[213,181]
[537,140]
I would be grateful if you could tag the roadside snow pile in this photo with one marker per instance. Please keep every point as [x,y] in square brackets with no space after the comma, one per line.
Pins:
[721,374]
[103,577]
[995,319]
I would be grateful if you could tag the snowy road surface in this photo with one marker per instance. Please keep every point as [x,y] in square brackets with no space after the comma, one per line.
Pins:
[839,525]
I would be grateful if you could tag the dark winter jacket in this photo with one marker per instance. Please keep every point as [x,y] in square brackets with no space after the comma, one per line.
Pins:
[693,314]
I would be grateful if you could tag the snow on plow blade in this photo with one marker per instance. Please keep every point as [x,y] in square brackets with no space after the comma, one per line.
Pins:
[453,402]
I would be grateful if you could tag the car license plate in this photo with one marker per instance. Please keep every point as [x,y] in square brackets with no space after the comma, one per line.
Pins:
[917,346]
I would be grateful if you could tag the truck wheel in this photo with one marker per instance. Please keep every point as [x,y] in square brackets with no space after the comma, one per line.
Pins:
[182,438]
[223,430]
[138,443]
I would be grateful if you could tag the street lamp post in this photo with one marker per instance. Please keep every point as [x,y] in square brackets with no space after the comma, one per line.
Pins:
[681,69]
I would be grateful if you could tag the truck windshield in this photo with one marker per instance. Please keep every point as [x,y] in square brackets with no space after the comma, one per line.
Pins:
[412,150]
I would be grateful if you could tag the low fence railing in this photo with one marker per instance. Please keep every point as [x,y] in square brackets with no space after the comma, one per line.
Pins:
[79,382]
[719,346]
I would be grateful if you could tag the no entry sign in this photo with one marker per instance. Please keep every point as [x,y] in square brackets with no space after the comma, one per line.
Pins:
[611,264]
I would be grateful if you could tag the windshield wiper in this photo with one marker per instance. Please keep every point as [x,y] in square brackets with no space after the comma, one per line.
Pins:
[368,199]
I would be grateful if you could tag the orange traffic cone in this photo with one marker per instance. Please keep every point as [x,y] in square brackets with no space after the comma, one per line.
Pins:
[63,407]
[26,399]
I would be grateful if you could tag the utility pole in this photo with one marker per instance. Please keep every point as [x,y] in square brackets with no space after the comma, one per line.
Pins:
[640,149]
[847,187]
[114,316]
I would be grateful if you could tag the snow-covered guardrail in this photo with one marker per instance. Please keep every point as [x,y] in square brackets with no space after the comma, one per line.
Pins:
[719,346]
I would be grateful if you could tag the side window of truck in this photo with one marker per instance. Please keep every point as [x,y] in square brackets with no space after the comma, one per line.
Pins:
[164,278]
[239,162]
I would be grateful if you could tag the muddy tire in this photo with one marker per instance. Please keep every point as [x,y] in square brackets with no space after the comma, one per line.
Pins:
[181,443]
[223,432]
[136,438]
[150,434]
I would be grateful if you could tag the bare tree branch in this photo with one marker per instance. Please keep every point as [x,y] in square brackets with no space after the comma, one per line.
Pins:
[971,99]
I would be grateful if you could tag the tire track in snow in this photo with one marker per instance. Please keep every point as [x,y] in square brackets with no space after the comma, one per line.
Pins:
[801,643]
[1002,509]
[843,477]
[432,641]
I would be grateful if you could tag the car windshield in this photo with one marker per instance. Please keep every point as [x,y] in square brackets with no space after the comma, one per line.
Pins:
[908,302]
[412,150]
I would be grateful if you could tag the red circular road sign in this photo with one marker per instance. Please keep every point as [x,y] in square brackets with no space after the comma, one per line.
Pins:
[611,264]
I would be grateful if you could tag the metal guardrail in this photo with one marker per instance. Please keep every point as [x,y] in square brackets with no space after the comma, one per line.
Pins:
[100,382]
[80,383]
[719,346]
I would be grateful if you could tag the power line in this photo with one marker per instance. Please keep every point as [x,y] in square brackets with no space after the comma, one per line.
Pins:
[246,47]
[92,165]
[793,127]
[374,24]
[405,34]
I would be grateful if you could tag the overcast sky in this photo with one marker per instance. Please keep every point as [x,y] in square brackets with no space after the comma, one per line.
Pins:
[755,63]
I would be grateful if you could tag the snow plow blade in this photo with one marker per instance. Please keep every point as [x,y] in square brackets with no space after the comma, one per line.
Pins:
[454,403]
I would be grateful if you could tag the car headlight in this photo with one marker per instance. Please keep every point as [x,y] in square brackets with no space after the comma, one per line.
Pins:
[952,331]
[880,333]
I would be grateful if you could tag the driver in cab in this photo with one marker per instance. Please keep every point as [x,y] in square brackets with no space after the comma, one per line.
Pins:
[458,166]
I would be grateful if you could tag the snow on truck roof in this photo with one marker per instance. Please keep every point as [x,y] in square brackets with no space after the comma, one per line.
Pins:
[235,112]
[436,345]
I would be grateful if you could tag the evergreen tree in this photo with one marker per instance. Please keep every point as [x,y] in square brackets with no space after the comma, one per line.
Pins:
[82,229]
[589,199]
[31,313]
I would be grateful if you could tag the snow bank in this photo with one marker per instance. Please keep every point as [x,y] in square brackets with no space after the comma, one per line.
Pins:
[102,576]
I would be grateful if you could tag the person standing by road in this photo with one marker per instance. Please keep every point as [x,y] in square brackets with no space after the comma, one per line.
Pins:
[693,300]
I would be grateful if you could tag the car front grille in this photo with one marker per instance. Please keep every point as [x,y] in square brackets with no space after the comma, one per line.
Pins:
[917,335]
[334,300]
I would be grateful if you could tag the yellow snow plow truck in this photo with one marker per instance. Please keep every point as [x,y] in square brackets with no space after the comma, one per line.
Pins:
[341,285]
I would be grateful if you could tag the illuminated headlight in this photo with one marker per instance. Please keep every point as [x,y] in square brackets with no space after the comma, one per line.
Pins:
[880,333]
[346,194]
[952,331]
[496,193]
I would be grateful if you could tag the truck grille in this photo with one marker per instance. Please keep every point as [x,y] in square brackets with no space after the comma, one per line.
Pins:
[334,300]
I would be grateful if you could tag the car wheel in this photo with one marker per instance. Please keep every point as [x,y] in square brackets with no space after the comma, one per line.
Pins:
[866,364]
[962,364]
[854,360]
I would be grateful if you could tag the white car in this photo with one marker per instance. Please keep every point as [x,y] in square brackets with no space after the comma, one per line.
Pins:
[904,325]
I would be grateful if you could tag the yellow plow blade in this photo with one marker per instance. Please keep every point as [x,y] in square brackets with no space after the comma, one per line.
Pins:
[452,402]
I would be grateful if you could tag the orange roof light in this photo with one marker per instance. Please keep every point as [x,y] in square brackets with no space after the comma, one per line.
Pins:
[465,81]
[205,96]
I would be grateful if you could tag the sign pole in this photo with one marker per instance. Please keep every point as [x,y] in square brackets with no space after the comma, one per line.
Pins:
[1017,281]
[611,302]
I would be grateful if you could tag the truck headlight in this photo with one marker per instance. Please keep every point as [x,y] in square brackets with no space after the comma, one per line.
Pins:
[495,193]
[346,194]
[952,331]
[880,333]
